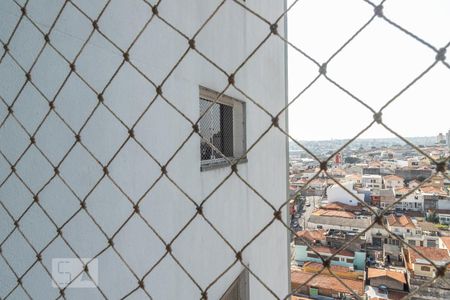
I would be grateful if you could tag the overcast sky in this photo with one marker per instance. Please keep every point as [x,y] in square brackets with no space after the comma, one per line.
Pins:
[375,66]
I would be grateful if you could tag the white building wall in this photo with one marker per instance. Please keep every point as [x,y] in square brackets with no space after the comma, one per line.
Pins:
[414,202]
[396,184]
[336,193]
[237,212]
[443,204]
[372,181]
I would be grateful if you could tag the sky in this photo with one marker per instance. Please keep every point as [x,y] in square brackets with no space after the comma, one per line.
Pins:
[375,66]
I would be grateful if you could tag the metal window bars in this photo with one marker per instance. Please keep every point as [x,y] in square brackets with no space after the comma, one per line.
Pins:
[272,33]
[216,126]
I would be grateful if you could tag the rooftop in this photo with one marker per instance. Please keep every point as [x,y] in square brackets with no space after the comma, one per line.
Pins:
[446,241]
[371,176]
[398,276]
[433,190]
[322,281]
[334,213]
[427,226]
[402,190]
[402,221]
[334,268]
[312,235]
[342,206]
[433,254]
[393,177]
[383,192]
[339,221]
[330,251]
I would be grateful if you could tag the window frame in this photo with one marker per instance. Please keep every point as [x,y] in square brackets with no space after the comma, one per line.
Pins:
[312,255]
[239,123]
[425,268]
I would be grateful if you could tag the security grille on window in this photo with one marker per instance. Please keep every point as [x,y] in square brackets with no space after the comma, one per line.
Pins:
[221,128]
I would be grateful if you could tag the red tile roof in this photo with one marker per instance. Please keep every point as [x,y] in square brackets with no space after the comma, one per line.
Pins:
[312,235]
[327,282]
[402,221]
[342,206]
[398,276]
[433,190]
[434,254]
[393,177]
[402,190]
[446,241]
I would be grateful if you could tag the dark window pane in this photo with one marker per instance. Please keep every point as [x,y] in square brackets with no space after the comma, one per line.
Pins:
[226,125]
[216,127]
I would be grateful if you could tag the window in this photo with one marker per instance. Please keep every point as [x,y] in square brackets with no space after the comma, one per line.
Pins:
[412,242]
[350,260]
[425,268]
[222,129]
[312,255]
[239,289]
[431,243]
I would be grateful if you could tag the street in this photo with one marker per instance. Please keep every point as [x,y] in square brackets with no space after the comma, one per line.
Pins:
[314,202]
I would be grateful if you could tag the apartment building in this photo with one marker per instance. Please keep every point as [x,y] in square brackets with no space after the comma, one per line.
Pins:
[372,181]
[345,258]
[393,181]
[420,270]
[139,135]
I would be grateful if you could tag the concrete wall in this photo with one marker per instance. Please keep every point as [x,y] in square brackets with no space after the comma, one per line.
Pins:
[417,268]
[237,212]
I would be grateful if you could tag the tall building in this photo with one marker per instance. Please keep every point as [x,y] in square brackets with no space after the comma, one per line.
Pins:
[115,169]
[440,138]
[448,139]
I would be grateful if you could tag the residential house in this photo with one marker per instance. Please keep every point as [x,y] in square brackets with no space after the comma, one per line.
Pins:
[349,196]
[401,226]
[392,279]
[383,197]
[443,215]
[444,243]
[393,181]
[324,285]
[345,258]
[341,220]
[372,181]
[427,235]
[412,202]
[413,184]
[339,238]
[420,271]
[311,237]
[355,178]
[421,267]
[337,172]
